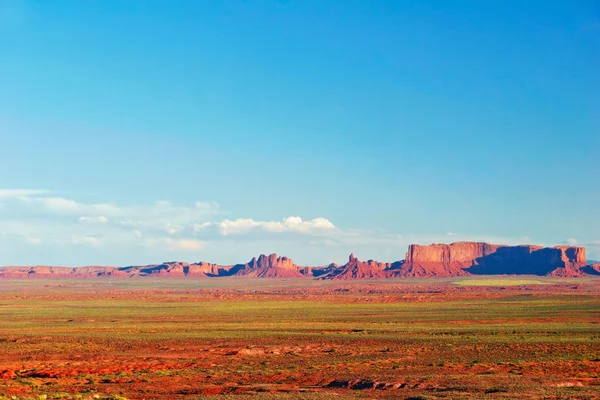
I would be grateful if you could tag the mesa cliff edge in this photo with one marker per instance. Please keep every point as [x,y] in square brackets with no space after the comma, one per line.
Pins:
[435,260]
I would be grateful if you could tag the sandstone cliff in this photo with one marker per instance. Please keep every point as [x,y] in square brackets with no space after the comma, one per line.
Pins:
[464,258]
[355,269]
[59,272]
[443,260]
[592,269]
[270,266]
[436,260]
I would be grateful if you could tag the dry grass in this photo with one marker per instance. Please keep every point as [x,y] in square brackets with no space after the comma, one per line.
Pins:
[297,340]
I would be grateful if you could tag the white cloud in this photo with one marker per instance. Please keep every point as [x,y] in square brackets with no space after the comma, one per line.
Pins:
[166,217]
[93,220]
[16,193]
[62,206]
[67,227]
[173,229]
[58,204]
[33,240]
[36,225]
[186,245]
[290,224]
[240,225]
[202,226]
[85,240]
[58,221]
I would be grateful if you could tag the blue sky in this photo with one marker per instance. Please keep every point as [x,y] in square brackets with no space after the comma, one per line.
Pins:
[139,132]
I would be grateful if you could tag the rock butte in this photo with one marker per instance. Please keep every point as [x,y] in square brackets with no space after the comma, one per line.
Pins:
[435,260]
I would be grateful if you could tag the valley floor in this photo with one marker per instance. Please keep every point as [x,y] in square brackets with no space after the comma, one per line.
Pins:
[492,338]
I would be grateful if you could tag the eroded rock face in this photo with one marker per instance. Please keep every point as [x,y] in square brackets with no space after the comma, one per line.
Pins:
[592,269]
[565,261]
[444,260]
[464,258]
[60,272]
[460,252]
[202,269]
[270,266]
[572,255]
[356,269]
[436,260]
[168,269]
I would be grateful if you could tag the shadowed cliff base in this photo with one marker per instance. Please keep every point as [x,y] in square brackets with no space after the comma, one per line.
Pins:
[530,260]
[478,258]
[592,269]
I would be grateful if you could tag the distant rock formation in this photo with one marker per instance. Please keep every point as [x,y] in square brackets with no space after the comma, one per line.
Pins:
[435,260]
[443,260]
[592,269]
[464,258]
[270,266]
[355,269]
[264,266]
[41,271]
[532,260]
[322,271]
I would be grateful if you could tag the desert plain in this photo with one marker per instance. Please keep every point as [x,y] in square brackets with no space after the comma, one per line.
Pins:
[499,337]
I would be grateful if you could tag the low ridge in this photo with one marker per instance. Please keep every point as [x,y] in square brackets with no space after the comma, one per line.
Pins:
[435,260]
[355,269]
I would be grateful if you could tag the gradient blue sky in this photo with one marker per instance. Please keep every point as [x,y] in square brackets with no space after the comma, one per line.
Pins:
[143,131]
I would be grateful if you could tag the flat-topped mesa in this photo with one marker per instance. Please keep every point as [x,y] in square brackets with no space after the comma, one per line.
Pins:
[564,261]
[273,261]
[464,258]
[443,259]
[572,255]
[447,253]
[270,266]
[40,271]
[570,261]
[203,268]
[172,269]
[435,260]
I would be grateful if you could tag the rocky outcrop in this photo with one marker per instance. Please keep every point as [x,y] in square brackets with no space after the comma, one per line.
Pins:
[203,269]
[572,256]
[443,260]
[270,266]
[168,269]
[322,271]
[460,252]
[264,266]
[569,261]
[465,258]
[565,261]
[60,272]
[435,260]
[592,269]
[356,269]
